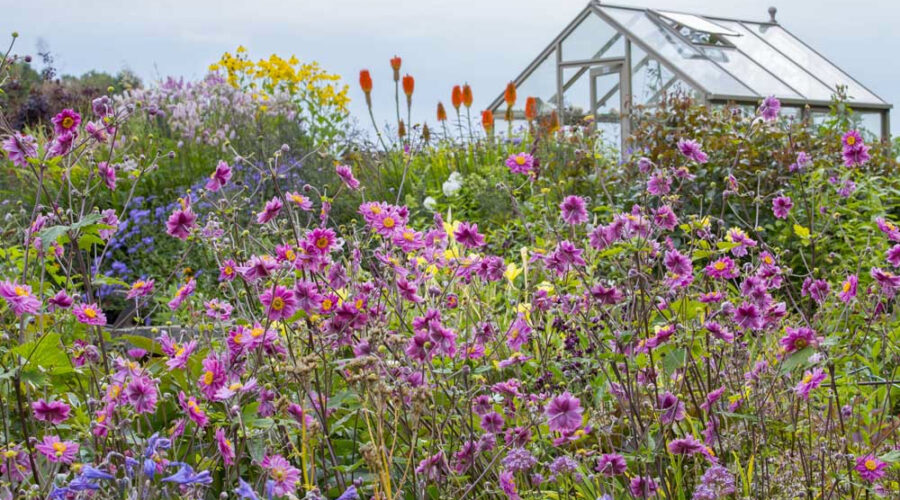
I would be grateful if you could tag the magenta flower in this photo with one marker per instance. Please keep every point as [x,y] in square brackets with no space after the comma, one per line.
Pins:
[54,412]
[228,271]
[685,446]
[870,468]
[61,300]
[781,206]
[107,174]
[769,108]
[190,406]
[66,121]
[282,473]
[302,202]
[140,288]
[213,377]
[56,450]
[692,151]
[226,449]
[670,407]
[19,148]
[855,153]
[467,235]
[346,175]
[811,380]
[280,303]
[271,210]
[796,339]
[722,268]
[183,292]
[848,289]
[642,487]
[19,298]
[89,314]
[518,333]
[321,239]
[611,464]
[563,413]
[220,176]
[659,184]
[520,163]
[61,144]
[492,422]
[182,220]
[573,210]
[508,485]
[748,315]
[142,394]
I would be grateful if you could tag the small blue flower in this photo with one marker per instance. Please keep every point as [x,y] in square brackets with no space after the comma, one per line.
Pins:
[245,491]
[186,475]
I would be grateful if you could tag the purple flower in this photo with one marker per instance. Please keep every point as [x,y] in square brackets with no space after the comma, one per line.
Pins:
[781,206]
[508,485]
[611,464]
[226,449]
[685,446]
[89,314]
[748,315]
[56,450]
[659,184]
[870,468]
[769,108]
[61,300]
[280,303]
[642,487]
[691,150]
[19,298]
[182,220]
[492,422]
[803,160]
[142,394]
[716,483]
[573,210]
[271,210]
[19,148]
[108,174]
[563,413]
[66,121]
[848,289]
[467,235]
[219,177]
[796,339]
[670,407]
[520,163]
[811,380]
[54,412]
[346,175]
[855,153]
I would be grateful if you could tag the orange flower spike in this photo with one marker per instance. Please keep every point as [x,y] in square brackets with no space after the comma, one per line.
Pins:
[409,84]
[441,112]
[467,95]
[401,129]
[395,65]
[510,95]
[530,108]
[456,97]
[487,120]
[365,83]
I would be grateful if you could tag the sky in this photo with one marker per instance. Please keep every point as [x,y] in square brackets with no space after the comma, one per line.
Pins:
[442,42]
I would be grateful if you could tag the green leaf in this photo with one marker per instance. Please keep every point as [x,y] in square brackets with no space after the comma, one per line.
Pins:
[796,359]
[674,360]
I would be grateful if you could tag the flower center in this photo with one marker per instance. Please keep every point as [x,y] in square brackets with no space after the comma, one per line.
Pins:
[208,377]
[60,448]
[326,304]
[376,209]
[520,160]
[807,378]
[67,122]
[408,236]
[90,312]
[389,222]
[277,303]
[846,286]
[800,343]
[179,352]
[871,464]
[279,474]
[851,140]
[299,199]
[137,284]
[256,332]
[322,242]
[359,304]
[238,338]
[229,270]
[290,255]
[719,265]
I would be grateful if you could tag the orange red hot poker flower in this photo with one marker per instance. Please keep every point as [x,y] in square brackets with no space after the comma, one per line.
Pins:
[467,95]
[409,84]
[395,65]
[510,94]
[365,83]
[456,97]
[530,108]
[441,112]
[487,120]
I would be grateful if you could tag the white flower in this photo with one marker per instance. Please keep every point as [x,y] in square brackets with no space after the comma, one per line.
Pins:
[453,184]
[429,203]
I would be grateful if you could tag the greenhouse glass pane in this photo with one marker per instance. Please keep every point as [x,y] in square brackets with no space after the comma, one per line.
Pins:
[678,53]
[697,23]
[747,71]
[541,84]
[807,58]
[591,39]
[793,74]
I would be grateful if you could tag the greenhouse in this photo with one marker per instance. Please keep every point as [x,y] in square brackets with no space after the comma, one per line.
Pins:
[612,58]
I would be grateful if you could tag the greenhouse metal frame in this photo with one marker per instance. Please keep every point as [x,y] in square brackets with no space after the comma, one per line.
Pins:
[611,50]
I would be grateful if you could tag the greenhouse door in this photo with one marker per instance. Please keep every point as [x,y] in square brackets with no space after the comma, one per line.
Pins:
[608,104]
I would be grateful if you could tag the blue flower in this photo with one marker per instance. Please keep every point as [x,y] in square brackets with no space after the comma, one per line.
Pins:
[245,491]
[349,494]
[92,472]
[186,475]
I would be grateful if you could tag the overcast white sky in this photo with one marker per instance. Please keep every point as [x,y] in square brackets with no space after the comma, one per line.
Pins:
[442,42]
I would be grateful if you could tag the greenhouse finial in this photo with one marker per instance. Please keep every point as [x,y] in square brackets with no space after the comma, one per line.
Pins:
[772,12]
